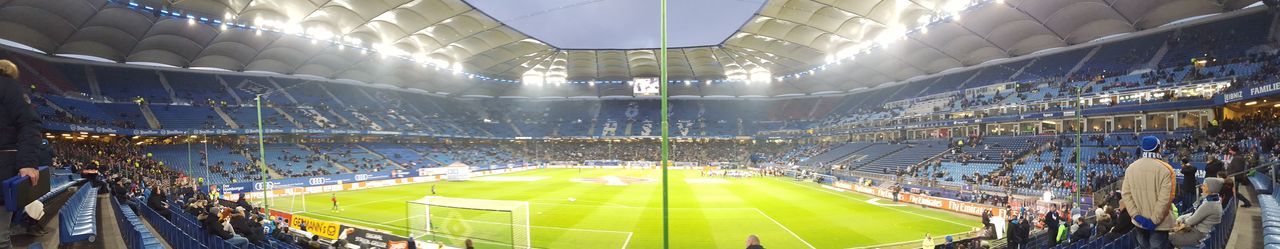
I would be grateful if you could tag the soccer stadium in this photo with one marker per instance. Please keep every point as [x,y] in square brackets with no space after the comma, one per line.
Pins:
[805,124]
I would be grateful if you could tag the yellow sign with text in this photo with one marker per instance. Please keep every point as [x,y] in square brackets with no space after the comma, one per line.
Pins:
[325,229]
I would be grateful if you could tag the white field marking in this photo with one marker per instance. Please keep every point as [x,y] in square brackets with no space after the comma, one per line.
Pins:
[628,241]
[631,207]
[833,188]
[545,227]
[890,208]
[553,202]
[510,178]
[705,181]
[609,205]
[613,181]
[344,207]
[903,242]
[876,201]
[785,228]
[424,238]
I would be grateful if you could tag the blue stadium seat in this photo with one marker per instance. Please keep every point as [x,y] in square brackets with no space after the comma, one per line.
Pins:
[135,234]
[77,219]
[1261,182]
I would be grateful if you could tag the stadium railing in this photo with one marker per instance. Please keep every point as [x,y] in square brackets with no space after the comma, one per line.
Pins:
[184,231]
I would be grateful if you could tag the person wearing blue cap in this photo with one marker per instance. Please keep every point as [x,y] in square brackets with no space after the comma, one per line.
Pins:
[1147,193]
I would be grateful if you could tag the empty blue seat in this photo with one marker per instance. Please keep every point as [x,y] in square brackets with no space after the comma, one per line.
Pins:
[78,218]
[1261,183]
[134,232]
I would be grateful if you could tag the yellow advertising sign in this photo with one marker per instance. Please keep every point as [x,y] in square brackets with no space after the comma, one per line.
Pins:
[328,230]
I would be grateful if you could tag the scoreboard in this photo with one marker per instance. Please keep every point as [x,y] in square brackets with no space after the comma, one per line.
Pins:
[646,86]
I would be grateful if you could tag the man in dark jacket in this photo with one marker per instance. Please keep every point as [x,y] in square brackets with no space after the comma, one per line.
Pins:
[314,243]
[214,226]
[19,136]
[1237,167]
[1187,188]
[1121,226]
[1083,231]
[1051,220]
[1213,166]
[252,228]
[282,234]
[157,202]
[1018,230]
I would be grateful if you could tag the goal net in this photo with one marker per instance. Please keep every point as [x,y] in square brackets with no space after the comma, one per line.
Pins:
[487,223]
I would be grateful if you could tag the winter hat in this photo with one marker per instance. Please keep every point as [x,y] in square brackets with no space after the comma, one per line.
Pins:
[1214,184]
[8,69]
[1150,143]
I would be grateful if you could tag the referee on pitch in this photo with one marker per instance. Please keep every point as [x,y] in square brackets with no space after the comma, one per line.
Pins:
[19,137]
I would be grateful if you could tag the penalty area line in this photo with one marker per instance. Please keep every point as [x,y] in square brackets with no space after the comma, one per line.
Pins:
[876,201]
[890,208]
[628,241]
[785,228]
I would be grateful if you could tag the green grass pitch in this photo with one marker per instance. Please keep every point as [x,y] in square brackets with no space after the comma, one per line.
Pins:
[785,213]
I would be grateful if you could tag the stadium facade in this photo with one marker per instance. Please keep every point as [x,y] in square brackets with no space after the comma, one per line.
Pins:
[1093,99]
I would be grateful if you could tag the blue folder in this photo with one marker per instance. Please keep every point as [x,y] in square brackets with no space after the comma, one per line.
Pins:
[18,192]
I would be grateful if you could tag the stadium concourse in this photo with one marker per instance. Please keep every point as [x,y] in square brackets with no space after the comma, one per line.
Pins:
[205,124]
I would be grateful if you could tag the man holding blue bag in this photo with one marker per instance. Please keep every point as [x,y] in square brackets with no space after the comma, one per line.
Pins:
[19,137]
[1147,193]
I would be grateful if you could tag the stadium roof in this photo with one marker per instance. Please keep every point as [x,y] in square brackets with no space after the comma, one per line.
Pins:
[625,25]
[887,40]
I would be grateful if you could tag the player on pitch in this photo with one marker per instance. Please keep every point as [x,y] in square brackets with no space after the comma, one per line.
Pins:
[334,198]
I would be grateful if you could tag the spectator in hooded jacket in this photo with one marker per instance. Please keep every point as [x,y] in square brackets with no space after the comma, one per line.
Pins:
[1147,193]
[1207,215]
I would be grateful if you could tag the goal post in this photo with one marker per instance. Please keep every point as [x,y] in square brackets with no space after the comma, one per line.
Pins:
[487,223]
